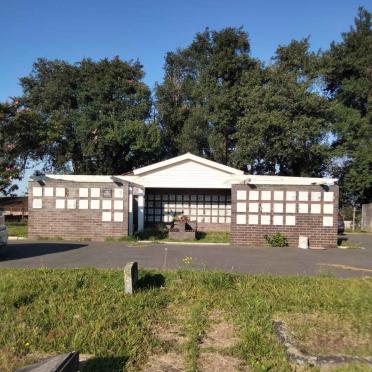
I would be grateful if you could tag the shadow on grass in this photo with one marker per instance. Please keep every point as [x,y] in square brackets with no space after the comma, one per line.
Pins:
[149,281]
[99,364]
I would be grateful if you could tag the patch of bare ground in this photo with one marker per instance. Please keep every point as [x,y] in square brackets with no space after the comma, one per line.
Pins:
[170,332]
[216,362]
[327,334]
[168,362]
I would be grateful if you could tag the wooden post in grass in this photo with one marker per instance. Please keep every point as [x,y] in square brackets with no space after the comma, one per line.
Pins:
[130,277]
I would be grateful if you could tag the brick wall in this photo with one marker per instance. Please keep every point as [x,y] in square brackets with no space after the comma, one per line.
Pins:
[247,227]
[76,223]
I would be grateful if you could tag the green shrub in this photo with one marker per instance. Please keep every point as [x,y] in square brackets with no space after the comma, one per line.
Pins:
[277,240]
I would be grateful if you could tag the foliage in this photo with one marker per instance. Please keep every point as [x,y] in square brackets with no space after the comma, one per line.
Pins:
[277,240]
[17,228]
[95,114]
[54,311]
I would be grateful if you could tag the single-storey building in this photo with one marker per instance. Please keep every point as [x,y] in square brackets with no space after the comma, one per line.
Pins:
[216,196]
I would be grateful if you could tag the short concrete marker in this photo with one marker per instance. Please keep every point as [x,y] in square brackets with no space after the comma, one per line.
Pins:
[130,277]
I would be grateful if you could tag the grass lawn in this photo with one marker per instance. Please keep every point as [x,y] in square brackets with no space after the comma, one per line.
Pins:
[17,228]
[191,320]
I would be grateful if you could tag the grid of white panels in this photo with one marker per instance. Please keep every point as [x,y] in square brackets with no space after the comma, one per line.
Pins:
[284,205]
[200,207]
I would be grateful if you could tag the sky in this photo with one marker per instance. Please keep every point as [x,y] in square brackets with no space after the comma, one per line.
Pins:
[147,30]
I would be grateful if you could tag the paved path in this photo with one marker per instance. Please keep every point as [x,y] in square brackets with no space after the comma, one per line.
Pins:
[276,261]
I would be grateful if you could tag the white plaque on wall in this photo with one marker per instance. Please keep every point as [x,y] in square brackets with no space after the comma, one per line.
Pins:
[328,208]
[278,195]
[265,195]
[48,191]
[253,195]
[60,192]
[118,216]
[278,207]
[316,196]
[278,220]
[215,219]
[303,208]
[253,219]
[95,192]
[328,196]
[106,216]
[265,219]
[83,192]
[241,195]
[327,221]
[60,203]
[290,195]
[118,193]
[106,204]
[240,219]
[290,208]
[118,204]
[95,204]
[83,204]
[253,207]
[71,203]
[37,191]
[303,196]
[265,207]
[228,219]
[290,220]
[315,208]
[37,203]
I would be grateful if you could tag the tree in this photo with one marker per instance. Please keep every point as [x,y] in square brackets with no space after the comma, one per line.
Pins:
[285,122]
[95,114]
[348,79]
[198,99]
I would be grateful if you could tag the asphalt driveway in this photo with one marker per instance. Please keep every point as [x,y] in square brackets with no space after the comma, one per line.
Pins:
[276,261]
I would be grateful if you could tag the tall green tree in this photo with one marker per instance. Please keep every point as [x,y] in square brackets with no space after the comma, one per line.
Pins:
[348,79]
[285,122]
[96,115]
[198,99]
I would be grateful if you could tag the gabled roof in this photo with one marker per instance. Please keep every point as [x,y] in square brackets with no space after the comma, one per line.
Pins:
[185,157]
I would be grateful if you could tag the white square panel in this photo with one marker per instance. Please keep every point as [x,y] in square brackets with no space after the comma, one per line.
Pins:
[48,191]
[199,219]
[60,192]
[328,196]
[327,221]
[315,208]
[215,219]
[241,195]
[95,204]
[221,219]
[106,204]
[118,216]
[207,219]
[95,192]
[278,207]
[71,204]
[253,207]
[265,195]
[228,219]
[228,212]
[265,219]
[37,203]
[241,219]
[303,208]
[278,195]
[303,196]
[316,196]
[253,219]
[37,191]
[83,192]
[328,208]
[253,195]
[83,204]
[60,203]
[106,216]
[290,208]
[290,195]
[278,220]
[290,220]
[118,204]
[118,193]
[265,207]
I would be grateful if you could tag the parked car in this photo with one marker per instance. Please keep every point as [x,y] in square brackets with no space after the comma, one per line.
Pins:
[3,231]
[340,224]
